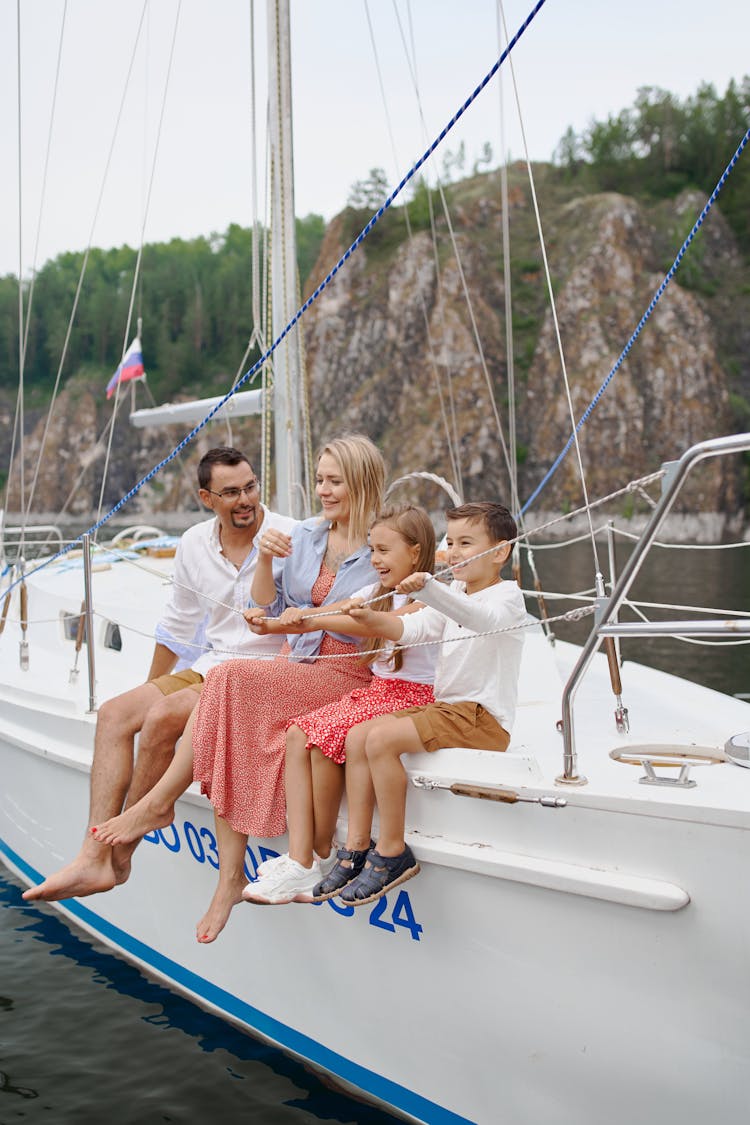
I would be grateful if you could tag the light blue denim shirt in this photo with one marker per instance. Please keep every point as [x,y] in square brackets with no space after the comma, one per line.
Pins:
[300,572]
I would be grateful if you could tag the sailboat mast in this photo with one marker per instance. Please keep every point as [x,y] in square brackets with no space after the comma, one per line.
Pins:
[291,495]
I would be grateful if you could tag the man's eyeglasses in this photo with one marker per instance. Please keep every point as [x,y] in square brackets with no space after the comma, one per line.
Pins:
[235,493]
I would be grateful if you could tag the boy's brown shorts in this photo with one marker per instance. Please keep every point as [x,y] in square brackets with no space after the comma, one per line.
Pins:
[178,681]
[457,724]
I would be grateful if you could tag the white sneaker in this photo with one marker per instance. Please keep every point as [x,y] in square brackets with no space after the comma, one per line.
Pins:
[283,883]
[269,864]
[273,861]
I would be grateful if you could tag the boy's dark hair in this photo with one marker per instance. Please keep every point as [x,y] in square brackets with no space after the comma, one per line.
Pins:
[497,520]
[220,455]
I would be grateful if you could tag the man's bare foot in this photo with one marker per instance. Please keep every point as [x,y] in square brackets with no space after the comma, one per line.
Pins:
[84,876]
[134,823]
[122,861]
[227,894]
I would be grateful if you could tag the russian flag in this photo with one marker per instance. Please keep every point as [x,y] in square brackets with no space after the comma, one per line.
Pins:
[130,368]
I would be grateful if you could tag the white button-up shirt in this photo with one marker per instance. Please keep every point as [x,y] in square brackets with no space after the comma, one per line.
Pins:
[201,631]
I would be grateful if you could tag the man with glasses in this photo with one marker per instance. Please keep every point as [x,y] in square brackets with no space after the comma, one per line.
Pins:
[201,626]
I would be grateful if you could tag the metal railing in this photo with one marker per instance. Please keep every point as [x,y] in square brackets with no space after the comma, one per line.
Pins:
[608,626]
[35,538]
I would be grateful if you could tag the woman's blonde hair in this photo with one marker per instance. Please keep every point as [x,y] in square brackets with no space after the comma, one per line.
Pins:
[362,468]
[415,528]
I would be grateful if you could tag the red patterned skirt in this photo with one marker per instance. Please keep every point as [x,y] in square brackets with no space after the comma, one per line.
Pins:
[328,727]
[239,735]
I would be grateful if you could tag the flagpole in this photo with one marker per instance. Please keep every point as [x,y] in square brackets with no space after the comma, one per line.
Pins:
[139,331]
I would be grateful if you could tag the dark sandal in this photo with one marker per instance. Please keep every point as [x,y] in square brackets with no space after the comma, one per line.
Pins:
[382,873]
[340,875]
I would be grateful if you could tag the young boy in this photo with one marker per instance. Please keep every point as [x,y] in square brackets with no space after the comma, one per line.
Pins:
[475,683]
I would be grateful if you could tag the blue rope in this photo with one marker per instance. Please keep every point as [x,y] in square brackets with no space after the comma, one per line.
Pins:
[300,312]
[592,405]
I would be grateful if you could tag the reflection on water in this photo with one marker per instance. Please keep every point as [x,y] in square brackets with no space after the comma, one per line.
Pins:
[87,1037]
[718,579]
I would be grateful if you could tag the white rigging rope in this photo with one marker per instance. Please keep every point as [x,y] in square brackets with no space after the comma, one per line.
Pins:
[571,615]
[635,606]
[24,330]
[454,437]
[450,434]
[257,336]
[18,424]
[508,287]
[43,194]
[509,357]
[267,370]
[588,597]
[84,265]
[553,306]
[136,273]
[685,546]
[461,273]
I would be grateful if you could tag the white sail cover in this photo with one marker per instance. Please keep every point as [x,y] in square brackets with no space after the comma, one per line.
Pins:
[239,405]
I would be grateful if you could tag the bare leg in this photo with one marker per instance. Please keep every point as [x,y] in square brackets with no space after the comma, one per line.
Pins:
[299,797]
[360,795]
[361,804]
[93,868]
[164,725]
[388,738]
[156,808]
[327,790]
[232,881]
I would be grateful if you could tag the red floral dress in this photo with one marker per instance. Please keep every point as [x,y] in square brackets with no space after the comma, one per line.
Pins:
[328,727]
[240,727]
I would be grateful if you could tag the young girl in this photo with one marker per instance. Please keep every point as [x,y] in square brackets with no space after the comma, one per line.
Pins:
[401,541]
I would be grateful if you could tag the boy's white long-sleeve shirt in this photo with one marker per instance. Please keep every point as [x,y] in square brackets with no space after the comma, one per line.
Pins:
[483,670]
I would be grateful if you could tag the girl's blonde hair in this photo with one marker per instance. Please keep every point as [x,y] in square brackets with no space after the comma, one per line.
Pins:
[362,468]
[415,528]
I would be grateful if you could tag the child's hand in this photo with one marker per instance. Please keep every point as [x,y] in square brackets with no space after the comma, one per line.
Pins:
[349,604]
[274,544]
[363,614]
[413,583]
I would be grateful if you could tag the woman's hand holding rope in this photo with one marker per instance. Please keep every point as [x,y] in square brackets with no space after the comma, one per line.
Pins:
[290,621]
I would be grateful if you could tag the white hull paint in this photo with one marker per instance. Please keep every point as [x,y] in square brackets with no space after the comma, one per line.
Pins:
[560,965]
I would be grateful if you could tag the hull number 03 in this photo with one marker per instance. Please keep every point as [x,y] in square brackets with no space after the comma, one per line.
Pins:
[200,843]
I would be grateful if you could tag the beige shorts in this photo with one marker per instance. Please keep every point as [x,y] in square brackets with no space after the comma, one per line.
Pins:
[178,681]
[457,724]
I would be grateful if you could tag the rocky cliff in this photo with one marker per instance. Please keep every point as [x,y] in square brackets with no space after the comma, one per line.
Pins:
[409,345]
[393,348]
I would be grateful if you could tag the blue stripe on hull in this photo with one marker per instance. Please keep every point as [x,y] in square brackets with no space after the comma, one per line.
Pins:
[374,1084]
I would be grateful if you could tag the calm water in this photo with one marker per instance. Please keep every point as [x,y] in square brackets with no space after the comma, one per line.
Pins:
[86,1036]
[715,579]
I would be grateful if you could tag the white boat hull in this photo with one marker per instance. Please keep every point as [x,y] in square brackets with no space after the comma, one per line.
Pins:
[567,965]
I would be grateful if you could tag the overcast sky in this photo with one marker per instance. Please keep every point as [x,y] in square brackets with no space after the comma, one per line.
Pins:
[579,59]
